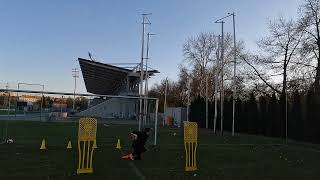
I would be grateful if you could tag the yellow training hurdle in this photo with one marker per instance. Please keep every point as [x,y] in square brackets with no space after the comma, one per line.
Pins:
[190,145]
[86,138]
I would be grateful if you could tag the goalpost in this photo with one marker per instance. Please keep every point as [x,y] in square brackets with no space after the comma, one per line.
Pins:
[101,106]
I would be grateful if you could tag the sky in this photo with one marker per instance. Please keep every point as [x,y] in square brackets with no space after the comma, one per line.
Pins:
[40,40]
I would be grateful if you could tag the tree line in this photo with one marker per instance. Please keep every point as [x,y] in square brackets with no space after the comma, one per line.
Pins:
[263,116]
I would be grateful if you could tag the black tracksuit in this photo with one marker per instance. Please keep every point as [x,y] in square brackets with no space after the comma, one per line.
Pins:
[138,144]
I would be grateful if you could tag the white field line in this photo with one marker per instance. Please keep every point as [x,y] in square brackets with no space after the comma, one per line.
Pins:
[136,171]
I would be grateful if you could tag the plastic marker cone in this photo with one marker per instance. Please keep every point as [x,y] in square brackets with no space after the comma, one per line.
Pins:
[118,144]
[43,145]
[69,145]
[95,144]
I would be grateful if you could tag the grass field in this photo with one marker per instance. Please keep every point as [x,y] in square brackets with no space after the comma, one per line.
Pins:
[242,157]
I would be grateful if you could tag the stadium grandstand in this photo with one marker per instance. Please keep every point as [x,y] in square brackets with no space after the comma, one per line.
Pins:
[112,79]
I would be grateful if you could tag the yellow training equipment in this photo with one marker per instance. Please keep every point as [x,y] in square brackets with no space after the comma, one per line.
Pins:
[43,145]
[118,144]
[69,145]
[190,145]
[86,137]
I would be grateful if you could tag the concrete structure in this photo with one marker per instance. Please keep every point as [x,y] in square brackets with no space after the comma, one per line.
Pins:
[109,79]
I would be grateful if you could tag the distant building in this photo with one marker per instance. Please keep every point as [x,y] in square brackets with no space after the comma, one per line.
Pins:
[29,98]
[109,79]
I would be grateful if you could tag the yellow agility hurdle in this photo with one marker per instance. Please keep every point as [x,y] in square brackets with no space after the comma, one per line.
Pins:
[86,137]
[190,145]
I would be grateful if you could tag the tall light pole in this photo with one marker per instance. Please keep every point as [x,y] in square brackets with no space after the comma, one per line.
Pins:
[75,75]
[216,88]
[234,66]
[234,72]
[144,19]
[221,71]
[146,79]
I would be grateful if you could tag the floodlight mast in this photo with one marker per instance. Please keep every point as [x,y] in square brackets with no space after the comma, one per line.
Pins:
[146,79]
[234,72]
[234,66]
[221,71]
[144,18]
[216,88]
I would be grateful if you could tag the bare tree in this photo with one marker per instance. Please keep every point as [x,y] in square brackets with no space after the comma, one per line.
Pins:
[279,52]
[199,52]
[309,23]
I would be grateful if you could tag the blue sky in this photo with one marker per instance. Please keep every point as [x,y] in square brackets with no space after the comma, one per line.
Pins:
[40,40]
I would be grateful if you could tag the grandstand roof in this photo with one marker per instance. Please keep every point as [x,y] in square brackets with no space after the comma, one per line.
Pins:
[108,79]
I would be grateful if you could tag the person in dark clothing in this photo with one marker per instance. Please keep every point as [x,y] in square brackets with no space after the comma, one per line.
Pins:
[139,140]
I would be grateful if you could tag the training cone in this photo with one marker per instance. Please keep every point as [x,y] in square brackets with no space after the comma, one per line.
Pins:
[95,144]
[69,145]
[118,144]
[43,145]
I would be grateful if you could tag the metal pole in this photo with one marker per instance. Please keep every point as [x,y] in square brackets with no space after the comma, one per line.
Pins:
[207,123]
[147,77]
[61,105]
[156,123]
[15,112]
[222,73]
[188,105]
[234,73]
[165,99]
[216,88]
[141,71]
[75,76]
[41,103]
[286,114]
[7,121]
[146,83]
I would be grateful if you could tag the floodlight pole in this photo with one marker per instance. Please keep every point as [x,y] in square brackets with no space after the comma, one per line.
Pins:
[234,65]
[234,72]
[222,73]
[75,76]
[144,16]
[147,77]
[216,88]
[222,64]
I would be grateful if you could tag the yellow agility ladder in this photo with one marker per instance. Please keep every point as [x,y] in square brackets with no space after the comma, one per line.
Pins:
[190,145]
[86,137]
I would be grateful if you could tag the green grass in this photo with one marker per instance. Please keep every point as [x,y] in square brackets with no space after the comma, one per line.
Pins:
[240,157]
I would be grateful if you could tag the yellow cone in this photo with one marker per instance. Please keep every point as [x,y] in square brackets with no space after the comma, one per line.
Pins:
[69,145]
[43,145]
[118,144]
[95,144]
